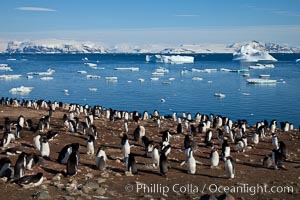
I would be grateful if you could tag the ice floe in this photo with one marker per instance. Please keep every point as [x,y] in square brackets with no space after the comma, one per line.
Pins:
[111,78]
[46,78]
[5,67]
[204,70]
[260,81]
[21,90]
[197,79]
[161,70]
[49,72]
[174,59]
[82,72]
[261,66]
[127,68]
[93,89]
[220,95]
[93,76]
[10,77]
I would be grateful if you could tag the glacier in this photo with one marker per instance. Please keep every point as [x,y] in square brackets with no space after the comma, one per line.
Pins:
[174,59]
[250,53]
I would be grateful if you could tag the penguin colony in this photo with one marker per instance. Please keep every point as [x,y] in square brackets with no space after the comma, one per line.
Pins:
[219,134]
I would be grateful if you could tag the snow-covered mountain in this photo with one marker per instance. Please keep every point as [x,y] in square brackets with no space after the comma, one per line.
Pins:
[72,47]
[48,48]
[267,47]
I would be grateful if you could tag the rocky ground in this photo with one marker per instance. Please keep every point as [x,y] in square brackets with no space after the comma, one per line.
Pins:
[115,183]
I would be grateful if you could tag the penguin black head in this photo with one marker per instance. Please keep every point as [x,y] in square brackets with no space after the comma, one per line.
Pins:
[75,147]
[124,139]
[91,138]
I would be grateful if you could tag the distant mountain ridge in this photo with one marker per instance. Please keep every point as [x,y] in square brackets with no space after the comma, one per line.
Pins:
[73,47]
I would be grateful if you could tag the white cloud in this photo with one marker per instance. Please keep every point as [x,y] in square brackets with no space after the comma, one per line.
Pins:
[39,9]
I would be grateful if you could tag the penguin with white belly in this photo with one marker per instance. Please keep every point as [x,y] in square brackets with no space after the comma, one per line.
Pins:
[45,147]
[229,167]
[191,163]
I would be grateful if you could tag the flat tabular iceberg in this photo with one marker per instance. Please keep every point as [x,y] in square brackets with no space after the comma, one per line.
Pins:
[21,90]
[249,53]
[170,59]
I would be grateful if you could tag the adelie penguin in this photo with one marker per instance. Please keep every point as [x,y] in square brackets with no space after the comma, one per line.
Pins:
[155,157]
[72,164]
[31,160]
[7,138]
[131,164]
[225,149]
[19,168]
[90,145]
[45,147]
[163,165]
[125,146]
[166,136]
[30,181]
[191,163]
[208,138]
[138,133]
[5,167]
[214,158]
[101,159]
[166,148]
[229,167]
[66,151]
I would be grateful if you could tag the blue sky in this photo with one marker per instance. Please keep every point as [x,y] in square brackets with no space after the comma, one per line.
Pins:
[152,21]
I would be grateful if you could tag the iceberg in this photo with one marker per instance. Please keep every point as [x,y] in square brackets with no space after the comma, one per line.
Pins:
[220,95]
[5,67]
[249,53]
[260,81]
[127,68]
[46,78]
[93,89]
[10,77]
[21,90]
[261,66]
[197,79]
[49,72]
[170,59]
[93,76]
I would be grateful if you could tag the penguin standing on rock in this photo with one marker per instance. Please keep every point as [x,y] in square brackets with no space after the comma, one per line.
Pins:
[72,164]
[163,165]
[229,167]
[19,168]
[191,163]
[225,149]
[90,145]
[66,151]
[125,146]
[4,166]
[155,157]
[131,164]
[101,159]
[214,158]
[45,147]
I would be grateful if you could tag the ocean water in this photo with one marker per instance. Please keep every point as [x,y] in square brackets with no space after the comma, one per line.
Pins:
[180,94]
